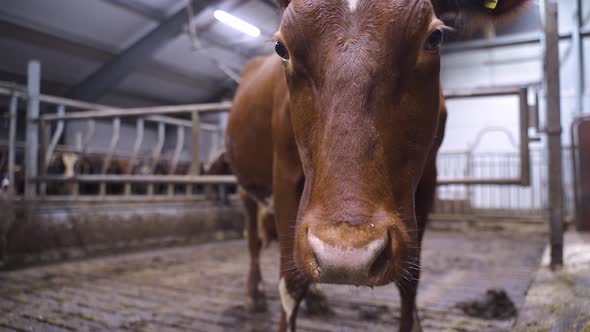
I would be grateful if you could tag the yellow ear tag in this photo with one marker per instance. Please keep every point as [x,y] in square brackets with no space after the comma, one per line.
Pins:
[490,4]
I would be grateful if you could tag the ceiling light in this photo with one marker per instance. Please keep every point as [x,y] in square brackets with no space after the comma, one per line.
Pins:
[237,23]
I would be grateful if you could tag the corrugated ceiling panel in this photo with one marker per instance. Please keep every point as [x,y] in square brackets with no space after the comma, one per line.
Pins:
[166,6]
[179,54]
[144,84]
[55,65]
[95,21]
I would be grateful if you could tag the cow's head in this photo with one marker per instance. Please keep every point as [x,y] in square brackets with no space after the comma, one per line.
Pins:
[363,77]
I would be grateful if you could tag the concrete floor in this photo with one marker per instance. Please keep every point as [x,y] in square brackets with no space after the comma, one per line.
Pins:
[201,288]
[559,299]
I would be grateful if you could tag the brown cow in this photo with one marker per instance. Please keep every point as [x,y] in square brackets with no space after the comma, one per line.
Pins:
[342,128]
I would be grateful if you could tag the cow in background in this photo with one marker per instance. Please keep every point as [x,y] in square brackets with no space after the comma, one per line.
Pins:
[265,215]
[219,166]
[147,167]
[70,164]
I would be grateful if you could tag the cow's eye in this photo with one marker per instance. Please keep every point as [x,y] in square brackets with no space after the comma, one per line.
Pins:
[434,40]
[281,50]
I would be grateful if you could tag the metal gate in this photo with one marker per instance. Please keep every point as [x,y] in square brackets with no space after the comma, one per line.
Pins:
[42,167]
[473,185]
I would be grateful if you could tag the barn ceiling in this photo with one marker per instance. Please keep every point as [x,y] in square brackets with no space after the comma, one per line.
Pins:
[132,52]
[139,52]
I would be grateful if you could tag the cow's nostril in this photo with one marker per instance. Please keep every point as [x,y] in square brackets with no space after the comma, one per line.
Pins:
[343,263]
[382,260]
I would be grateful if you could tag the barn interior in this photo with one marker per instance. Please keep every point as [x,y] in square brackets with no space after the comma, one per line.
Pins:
[114,215]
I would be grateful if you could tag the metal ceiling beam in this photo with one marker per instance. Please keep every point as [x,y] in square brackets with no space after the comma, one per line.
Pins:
[139,7]
[233,47]
[504,41]
[30,35]
[27,35]
[270,3]
[58,88]
[123,64]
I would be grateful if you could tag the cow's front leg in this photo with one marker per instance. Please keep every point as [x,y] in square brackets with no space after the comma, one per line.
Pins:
[292,285]
[316,303]
[292,290]
[408,287]
[256,300]
[408,284]
[287,179]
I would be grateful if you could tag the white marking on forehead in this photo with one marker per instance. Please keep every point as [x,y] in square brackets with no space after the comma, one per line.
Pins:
[287,300]
[352,4]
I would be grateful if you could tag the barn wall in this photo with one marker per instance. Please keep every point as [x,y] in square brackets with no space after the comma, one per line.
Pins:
[508,66]
[514,65]
[44,232]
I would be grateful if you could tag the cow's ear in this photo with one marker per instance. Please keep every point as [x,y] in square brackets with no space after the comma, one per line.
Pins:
[283,3]
[485,9]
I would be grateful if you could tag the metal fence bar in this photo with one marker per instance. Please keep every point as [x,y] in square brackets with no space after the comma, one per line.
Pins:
[82,149]
[178,149]
[553,123]
[91,124]
[61,110]
[12,142]
[18,91]
[109,156]
[113,145]
[11,89]
[157,153]
[481,182]
[196,144]
[32,137]
[525,155]
[140,125]
[578,56]
[44,133]
[153,179]
[195,168]
[482,92]
[132,112]
[7,88]
[53,100]
[176,155]
[119,198]
[460,200]
[574,160]
[180,122]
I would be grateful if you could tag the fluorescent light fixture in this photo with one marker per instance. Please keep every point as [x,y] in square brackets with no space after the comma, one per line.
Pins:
[237,23]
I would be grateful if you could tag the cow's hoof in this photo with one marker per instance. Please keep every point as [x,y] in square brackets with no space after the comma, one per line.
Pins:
[257,304]
[316,304]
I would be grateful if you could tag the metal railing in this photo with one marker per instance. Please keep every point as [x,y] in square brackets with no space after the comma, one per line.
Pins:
[45,130]
[499,201]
